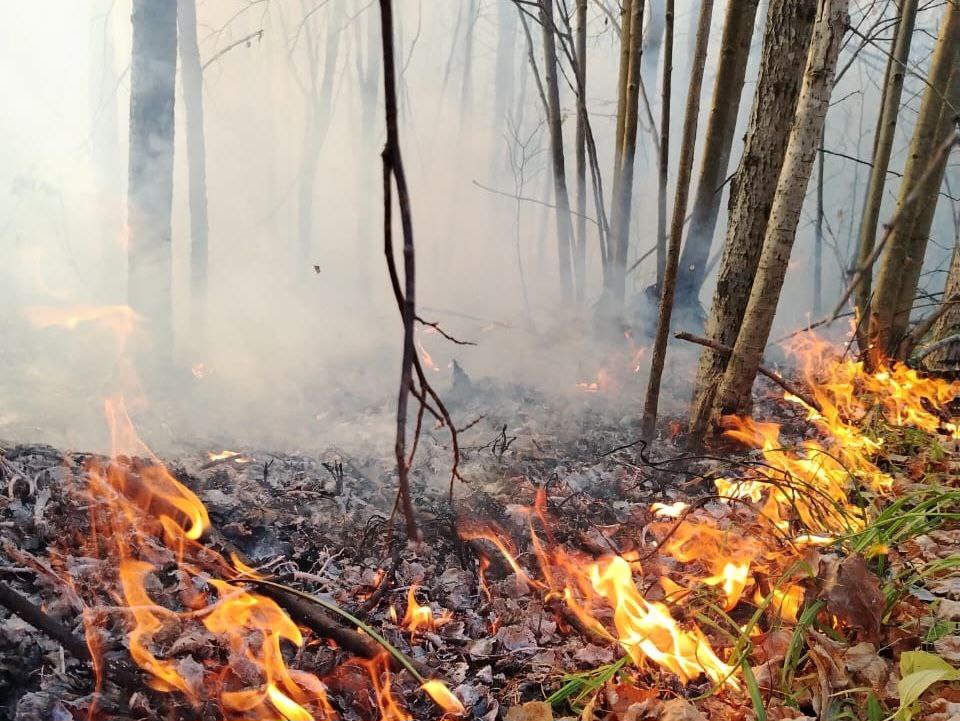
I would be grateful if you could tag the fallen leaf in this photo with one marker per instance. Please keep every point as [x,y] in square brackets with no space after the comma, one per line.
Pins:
[852,594]
[866,667]
[948,648]
[530,711]
[678,709]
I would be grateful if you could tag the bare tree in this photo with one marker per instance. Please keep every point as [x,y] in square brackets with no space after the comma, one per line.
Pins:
[580,245]
[624,154]
[687,147]
[883,143]
[785,44]
[558,164]
[734,395]
[191,78]
[902,261]
[150,183]
[732,68]
[663,151]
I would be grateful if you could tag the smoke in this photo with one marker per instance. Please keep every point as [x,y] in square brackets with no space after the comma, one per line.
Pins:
[304,353]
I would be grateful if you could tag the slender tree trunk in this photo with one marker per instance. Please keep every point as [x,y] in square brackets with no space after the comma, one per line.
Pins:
[580,250]
[319,114]
[734,395]
[785,44]
[368,63]
[883,146]
[734,52]
[663,161]
[818,235]
[192,81]
[687,147]
[556,150]
[902,260]
[627,117]
[150,183]
[948,326]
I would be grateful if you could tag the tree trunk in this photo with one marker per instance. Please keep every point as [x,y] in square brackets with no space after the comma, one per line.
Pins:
[785,44]
[504,78]
[627,115]
[903,255]
[734,395]
[663,160]
[687,147]
[150,183]
[319,113]
[556,150]
[192,81]
[580,249]
[734,51]
[883,145]
[948,356]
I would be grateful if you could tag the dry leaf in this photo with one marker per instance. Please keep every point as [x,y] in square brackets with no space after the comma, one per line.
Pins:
[948,648]
[530,711]
[852,594]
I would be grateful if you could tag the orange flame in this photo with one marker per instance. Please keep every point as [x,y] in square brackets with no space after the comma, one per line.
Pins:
[418,616]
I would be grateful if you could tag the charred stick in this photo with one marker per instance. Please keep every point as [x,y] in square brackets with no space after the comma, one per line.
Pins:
[29,612]
[775,377]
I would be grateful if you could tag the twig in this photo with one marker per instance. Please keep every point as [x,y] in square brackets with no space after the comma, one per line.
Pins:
[775,377]
[441,331]
[246,39]
[527,199]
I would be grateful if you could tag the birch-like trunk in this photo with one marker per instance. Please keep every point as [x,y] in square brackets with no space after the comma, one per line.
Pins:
[687,146]
[785,43]
[903,255]
[947,330]
[580,245]
[883,145]
[734,395]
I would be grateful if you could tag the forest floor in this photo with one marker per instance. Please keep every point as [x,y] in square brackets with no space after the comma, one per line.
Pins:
[498,634]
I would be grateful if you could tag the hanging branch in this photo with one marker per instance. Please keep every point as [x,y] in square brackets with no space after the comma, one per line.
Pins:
[406,295]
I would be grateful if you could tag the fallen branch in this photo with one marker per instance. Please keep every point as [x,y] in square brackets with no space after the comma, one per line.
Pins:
[117,673]
[934,347]
[775,377]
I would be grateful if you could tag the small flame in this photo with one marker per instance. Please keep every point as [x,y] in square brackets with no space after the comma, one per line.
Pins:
[418,616]
[443,697]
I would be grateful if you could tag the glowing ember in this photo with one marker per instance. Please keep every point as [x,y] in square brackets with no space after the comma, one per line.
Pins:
[228,455]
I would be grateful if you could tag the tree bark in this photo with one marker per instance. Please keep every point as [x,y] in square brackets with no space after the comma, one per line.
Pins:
[734,52]
[558,164]
[902,260]
[883,145]
[734,395]
[191,78]
[150,182]
[785,44]
[687,146]
[580,248]
[948,326]
[663,159]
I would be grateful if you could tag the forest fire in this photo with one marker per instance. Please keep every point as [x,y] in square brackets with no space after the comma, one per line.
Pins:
[801,498]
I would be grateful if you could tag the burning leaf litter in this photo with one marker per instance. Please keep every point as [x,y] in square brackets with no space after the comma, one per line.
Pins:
[694,589]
